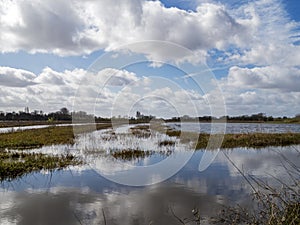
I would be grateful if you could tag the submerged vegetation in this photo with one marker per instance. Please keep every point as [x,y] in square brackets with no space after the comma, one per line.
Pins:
[14,164]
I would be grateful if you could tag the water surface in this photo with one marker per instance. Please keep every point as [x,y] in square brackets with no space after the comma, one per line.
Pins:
[233,128]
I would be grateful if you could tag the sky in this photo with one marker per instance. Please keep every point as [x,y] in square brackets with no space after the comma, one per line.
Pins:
[189,57]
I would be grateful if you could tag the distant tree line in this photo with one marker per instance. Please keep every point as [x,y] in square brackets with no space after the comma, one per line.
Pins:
[62,115]
[259,117]
[65,115]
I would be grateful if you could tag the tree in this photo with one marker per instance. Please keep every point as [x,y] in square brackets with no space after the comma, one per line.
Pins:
[64,111]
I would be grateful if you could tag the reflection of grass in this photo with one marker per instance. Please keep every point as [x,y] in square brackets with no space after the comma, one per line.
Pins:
[39,137]
[16,164]
[253,140]
[130,154]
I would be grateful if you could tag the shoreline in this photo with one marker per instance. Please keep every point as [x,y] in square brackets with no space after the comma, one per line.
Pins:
[9,124]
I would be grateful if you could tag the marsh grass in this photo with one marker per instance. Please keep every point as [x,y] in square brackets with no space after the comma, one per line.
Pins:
[131,154]
[141,131]
[166,143]
[250,140]
[257,140]
[14,164]
[36,138]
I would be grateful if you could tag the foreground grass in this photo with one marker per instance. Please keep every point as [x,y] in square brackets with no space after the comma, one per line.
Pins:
[278,205]
[17,164]
[272,204]
[250,140]
[36,138]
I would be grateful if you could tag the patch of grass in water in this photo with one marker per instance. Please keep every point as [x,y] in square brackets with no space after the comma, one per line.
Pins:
[130,154]
[17,164]
[141,131]
[166,143]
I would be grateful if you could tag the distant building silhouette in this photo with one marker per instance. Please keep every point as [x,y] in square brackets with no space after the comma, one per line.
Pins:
[26,109]
[138,114]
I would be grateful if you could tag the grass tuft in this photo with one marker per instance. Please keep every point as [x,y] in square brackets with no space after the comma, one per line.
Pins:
[17,164]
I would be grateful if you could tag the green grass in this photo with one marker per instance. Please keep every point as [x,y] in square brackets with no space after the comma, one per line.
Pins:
[17,164]
[250,140]
[36,138]
[64,135]
[258,140]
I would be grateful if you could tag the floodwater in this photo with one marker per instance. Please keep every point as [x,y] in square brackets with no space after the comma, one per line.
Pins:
[88,195]
[199,127]
[234,128]
[21,128]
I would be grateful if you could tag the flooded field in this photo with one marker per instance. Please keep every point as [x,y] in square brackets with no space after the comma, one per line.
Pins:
[87,193]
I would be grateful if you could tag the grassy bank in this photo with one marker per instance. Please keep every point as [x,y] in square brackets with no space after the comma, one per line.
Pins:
[13,123]
[16,164]
[29,123]
[40,137]
[251,140]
